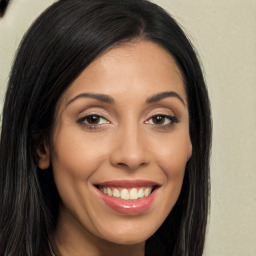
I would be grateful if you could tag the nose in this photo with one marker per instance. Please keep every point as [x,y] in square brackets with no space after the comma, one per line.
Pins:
[130,150]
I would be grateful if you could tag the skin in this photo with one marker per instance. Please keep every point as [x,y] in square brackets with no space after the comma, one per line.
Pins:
[126,144]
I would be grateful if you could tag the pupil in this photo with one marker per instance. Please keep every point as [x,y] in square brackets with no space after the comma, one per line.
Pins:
[158,119]
[93,119]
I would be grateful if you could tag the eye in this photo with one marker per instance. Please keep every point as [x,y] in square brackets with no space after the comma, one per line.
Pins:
[93,120]
[162,120]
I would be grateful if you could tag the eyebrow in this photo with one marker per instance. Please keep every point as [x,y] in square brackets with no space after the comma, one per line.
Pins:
[163,95]
[97,96]
[108,99]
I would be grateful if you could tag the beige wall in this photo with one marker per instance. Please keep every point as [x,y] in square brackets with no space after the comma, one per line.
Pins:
[224,33]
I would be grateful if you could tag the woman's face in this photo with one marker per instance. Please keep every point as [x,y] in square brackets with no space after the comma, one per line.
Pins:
[120,145]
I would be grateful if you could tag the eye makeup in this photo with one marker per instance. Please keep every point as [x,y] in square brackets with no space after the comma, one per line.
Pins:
[93,121]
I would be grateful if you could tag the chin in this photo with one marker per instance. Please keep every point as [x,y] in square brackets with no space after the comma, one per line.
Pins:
[129,235]
[127,239]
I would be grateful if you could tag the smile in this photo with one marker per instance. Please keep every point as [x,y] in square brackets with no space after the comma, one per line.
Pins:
[128,197]
[127,193]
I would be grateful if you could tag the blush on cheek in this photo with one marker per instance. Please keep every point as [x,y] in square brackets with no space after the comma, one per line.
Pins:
[174,163]
[176,172]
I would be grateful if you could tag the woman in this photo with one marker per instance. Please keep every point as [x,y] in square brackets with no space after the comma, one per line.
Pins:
[106,135]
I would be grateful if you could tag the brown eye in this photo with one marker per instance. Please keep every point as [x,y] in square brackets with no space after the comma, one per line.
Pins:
[162,120]
[93,119]
[158,119]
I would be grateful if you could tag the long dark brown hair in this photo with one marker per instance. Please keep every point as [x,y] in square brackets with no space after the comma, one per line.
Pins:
[60,44]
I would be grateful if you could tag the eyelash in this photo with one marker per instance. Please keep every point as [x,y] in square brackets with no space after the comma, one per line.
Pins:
[172,120]
[83,122]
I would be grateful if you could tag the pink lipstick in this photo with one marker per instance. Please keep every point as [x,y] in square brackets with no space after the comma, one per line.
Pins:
[130,197]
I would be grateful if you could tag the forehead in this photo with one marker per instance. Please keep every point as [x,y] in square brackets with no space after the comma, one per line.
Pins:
[140,67]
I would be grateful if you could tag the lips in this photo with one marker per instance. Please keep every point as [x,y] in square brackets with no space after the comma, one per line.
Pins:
[128,197]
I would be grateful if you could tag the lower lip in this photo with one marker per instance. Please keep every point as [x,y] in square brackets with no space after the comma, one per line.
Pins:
[129,207]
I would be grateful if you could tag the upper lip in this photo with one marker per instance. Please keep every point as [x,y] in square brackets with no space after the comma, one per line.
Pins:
[127,183]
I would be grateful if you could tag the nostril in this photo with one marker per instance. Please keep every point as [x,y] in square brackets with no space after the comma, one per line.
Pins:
[122,165]
[131,165]
[129,155]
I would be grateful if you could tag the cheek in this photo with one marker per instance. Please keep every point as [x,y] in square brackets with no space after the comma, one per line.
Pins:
[172,159]
[173,155]
[74,161]
[76,156]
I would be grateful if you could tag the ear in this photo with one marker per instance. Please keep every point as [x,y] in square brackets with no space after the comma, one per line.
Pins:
[43,153]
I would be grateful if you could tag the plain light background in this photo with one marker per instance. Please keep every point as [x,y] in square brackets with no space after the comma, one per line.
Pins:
[224,34]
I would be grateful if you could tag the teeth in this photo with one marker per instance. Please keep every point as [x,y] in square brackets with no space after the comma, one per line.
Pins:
[133,194]
[116,193]
[141,193]
[127,194]
[109,191]
[147,191]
